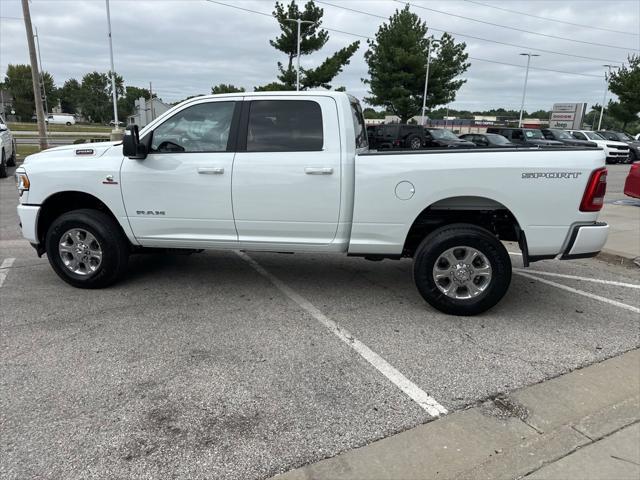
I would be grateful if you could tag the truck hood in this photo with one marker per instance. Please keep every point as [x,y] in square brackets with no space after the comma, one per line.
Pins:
[88,150]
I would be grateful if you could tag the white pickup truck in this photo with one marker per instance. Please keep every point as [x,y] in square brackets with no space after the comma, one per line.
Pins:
[291,172]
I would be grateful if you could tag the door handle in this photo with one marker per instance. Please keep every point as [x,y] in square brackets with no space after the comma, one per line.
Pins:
[318,170]
[211,170]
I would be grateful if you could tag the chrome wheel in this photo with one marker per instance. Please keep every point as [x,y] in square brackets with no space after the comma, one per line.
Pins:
[462,272]
[80,252]
[416,143]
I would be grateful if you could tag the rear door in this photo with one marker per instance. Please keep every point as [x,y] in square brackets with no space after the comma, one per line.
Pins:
[286,173]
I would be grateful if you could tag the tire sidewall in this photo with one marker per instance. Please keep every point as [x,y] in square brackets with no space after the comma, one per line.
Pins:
[3,165]
[449,237]
[101,227]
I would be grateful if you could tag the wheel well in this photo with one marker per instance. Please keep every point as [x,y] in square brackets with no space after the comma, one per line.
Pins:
[64,202]
[482,212]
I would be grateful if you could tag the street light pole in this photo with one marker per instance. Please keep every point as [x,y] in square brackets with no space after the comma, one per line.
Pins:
[299,22]
[41,71]
[606,89]
[524,90]
[426,82]
[116,130]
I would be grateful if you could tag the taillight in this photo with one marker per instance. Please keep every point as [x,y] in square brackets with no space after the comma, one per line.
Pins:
[593,197]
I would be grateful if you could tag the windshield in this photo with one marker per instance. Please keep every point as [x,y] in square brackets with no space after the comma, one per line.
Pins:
[498,139]
[561,134]
[443,134]
[624,137]
[593,136]
[533,134]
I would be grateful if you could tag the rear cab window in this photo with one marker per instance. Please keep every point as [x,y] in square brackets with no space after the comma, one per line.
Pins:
[359,125]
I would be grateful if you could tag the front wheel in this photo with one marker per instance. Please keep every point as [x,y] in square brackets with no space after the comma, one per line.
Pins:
[3,165]
[12,159]
[87,249]
[462,269]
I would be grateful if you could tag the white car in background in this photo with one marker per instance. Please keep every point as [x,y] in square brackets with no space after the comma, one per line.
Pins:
[7,148]
[616,152]
[60,119]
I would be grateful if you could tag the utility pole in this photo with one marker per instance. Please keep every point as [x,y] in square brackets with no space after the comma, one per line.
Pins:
[526,78]
[606,89]
[426,79]
[299,22]
[42,133]
[116,134]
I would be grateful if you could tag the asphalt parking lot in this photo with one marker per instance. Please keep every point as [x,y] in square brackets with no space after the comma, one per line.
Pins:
[220,365]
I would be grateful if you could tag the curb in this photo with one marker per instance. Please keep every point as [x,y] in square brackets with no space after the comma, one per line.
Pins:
[617,259]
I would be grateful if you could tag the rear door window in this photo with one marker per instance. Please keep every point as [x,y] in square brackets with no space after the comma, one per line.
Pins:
[285,126]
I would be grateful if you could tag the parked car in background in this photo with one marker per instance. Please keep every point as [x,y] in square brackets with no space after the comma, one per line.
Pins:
[637,137]
[398,135]
[7,148]
[60,119]
[634,145]
[565,137]
[632,183]
[616,152]
[530,137]
[443,138]
[488,140]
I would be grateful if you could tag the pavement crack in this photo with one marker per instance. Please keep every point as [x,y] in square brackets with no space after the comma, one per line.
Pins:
[624,460]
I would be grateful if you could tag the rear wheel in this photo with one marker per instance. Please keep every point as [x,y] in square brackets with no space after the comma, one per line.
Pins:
[462,269]
[414,142]
[3,165]
[68,124]
[87,249]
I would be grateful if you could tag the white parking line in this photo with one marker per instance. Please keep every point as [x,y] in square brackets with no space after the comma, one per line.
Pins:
[575,277]
[580,292]
[429,404]
[4,269]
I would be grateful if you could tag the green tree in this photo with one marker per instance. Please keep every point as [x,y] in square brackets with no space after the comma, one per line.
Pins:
[19,84]
[625,83]
[127,102]
[312,38]
[95,96]
[70,96]
[620,111]
[371,113]
[224,88]
[397,60]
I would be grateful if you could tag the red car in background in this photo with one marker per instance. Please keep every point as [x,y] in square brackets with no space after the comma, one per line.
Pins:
[632,184]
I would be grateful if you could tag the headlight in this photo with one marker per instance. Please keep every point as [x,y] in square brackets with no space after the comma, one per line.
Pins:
[22,182]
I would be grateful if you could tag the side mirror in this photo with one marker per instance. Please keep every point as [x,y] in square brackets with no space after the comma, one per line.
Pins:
[131,146]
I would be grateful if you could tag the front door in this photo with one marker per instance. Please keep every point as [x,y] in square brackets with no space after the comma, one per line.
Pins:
[180,195]
[286,173]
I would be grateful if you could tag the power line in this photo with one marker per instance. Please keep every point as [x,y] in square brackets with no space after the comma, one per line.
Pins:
[272,16]
[552,19]
[369,38]
[514,28]
[526,47]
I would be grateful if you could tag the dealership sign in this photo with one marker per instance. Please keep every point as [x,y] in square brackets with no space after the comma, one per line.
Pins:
[567,116]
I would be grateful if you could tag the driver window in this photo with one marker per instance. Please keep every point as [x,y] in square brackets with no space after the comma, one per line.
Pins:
[199,128]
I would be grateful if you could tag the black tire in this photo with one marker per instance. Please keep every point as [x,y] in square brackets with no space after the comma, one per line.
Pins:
[632,157]
[113,244]
[414,142]
[68,124]
[3,165]
[11,162]
[449,237]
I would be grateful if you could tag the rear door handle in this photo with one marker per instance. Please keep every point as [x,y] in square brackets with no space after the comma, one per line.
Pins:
[318,170]
[211,170]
